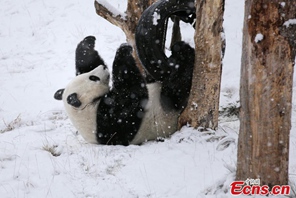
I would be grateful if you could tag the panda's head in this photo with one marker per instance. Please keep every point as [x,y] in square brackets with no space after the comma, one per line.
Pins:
[81,98]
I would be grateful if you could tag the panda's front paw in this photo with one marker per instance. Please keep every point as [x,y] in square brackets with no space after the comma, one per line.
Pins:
[124,49]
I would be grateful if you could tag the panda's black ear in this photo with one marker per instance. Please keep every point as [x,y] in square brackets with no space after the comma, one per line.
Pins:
[73,100]
[59,94]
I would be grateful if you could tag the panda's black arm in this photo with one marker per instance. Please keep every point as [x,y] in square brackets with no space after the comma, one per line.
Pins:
[86,57]
[176,87]
[124,67]
[121,111]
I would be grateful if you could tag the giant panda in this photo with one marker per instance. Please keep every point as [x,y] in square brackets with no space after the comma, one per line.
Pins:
[133,110]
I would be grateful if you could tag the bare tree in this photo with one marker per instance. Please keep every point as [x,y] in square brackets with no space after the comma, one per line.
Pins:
[126,21]
[203,105]
[268,55]
[129,21]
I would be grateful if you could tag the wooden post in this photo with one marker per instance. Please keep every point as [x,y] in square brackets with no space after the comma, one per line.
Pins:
[203,105]
[266,91]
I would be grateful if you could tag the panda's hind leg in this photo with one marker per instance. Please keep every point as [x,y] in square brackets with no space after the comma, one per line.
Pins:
[176,87]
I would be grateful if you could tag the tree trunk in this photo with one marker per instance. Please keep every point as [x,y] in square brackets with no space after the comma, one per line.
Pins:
[128,21]
[203,105]
[266,91]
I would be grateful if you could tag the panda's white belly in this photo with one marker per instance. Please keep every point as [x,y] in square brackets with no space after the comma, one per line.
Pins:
[156,122]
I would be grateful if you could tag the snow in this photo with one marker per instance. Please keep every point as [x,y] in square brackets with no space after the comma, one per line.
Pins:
[290,22]
[156,17]
[116,11]
[283,4]
[41,155]
[259,37]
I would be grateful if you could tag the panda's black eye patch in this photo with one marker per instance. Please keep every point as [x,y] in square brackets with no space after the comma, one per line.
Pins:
[94,78]
[73,100]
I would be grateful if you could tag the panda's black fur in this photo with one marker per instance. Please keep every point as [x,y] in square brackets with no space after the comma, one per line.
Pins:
[135,111]
[176,86]
[121,111]
[86,57]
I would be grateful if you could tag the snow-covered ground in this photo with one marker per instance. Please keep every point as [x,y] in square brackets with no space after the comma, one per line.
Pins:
[40,153]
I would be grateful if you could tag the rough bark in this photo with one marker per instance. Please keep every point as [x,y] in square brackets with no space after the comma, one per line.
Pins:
[128,22]
[203,105]
[266,91]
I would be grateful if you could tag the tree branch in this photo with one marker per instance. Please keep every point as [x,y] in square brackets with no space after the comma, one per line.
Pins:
[105,10]
[126,21]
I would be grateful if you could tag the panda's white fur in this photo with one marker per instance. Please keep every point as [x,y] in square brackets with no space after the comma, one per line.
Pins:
[156,122]
[84,116]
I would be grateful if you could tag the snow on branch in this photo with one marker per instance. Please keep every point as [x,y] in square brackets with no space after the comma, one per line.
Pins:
[290,22]
[108,12]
